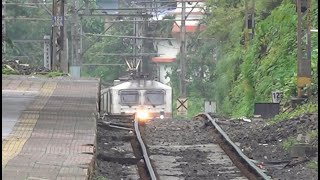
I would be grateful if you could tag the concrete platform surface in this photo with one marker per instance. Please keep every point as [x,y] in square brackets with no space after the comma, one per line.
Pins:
[49,127]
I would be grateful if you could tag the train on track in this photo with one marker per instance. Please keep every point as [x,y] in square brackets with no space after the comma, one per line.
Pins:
[147,99]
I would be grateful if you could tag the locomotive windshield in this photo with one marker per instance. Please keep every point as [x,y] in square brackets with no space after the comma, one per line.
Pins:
[154,97]
[129,97]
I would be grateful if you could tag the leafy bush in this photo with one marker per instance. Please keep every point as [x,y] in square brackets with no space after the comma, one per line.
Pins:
[288,143]
[8,71]
[300,110]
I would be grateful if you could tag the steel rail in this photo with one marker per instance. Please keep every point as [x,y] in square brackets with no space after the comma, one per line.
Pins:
[253,167]
[144,150]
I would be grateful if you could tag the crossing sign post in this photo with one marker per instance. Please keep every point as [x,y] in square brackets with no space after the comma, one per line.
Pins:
[182,106]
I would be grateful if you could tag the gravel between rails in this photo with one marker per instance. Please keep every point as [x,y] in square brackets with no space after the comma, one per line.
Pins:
[115,159]
[184,149]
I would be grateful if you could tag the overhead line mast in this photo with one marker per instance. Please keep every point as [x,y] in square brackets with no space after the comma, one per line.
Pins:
[183,50]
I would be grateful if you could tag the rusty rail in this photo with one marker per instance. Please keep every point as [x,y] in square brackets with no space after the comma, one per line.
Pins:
[144,151]
[257,171]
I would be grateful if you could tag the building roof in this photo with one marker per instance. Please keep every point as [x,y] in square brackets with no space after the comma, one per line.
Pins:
[162,59]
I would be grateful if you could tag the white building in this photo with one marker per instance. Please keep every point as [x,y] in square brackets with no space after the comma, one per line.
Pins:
[168,49]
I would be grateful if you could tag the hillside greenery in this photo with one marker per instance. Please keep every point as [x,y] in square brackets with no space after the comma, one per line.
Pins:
[239,76]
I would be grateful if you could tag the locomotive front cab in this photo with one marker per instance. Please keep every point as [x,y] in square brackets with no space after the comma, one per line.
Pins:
[146,99]
[147,104]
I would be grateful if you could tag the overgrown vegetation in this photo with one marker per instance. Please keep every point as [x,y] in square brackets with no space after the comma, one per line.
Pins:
[7,70]
[302,109]
[240,76]
[288,143]
[54,74]
[313,164]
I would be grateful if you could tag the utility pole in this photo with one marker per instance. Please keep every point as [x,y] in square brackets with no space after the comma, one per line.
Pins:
[135,33]
[303,47]
[252,18]
[3,27]
[76,51]
[182,101]
[57,33]
[249,22]
[246,29]
[183,89]
[144,25]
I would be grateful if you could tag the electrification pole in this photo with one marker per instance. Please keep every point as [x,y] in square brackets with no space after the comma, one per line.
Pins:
[249,22]
[183,89]
[252,17]
[3,27]
[57,34]
[144,25]
[182,101]
[76,51]
[303,47]
[246,29]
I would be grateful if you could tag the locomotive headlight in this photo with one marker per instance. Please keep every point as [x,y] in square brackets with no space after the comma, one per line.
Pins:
[142,115]
[161,114]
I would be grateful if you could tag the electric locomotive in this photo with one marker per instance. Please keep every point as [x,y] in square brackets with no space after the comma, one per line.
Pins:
[147,99]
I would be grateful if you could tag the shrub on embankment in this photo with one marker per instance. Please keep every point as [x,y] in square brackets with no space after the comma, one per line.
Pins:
[237,76]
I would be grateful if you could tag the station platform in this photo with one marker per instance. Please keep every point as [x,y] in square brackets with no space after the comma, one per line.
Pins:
[48,127]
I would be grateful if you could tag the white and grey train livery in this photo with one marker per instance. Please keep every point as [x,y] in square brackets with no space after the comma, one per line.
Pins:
[148,99]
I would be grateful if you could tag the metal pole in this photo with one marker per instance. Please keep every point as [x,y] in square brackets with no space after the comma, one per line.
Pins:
[182,101]
[299,55]
[57,33]
[183,90]
[308,45]
[246,33]
[3,27]
[253,20]
[135,41]
[76,62]
[303,53]
[144,48]
[64,65]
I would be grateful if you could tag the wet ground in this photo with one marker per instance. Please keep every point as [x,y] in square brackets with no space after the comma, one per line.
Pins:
[115,159]
[14,102]
[182,149]
[187,149]
[266,142]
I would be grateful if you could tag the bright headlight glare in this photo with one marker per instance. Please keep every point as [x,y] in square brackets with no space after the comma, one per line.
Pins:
[142,115]
[161,116]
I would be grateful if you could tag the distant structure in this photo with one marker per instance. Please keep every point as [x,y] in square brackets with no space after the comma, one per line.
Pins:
[170,48]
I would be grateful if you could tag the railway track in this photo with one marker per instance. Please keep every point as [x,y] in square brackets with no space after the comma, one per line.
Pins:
[121,153]
[176,149]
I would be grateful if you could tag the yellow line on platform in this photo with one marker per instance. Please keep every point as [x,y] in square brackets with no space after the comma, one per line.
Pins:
[22,130]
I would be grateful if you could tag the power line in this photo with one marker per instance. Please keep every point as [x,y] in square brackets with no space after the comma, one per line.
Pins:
[119,15]
[125,54]
[151,20]
[130,37]
[27,18]
[103,64]
[15,3]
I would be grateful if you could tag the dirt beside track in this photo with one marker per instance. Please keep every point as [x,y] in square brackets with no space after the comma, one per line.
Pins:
[265,143]
[187,149]
[115,159]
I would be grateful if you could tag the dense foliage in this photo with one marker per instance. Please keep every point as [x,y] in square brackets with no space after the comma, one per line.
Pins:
[239,76]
